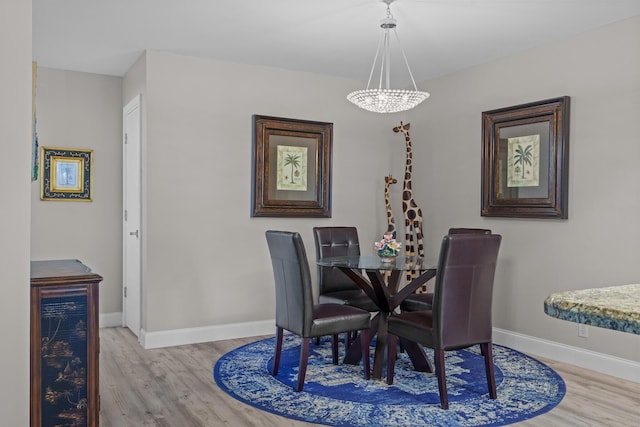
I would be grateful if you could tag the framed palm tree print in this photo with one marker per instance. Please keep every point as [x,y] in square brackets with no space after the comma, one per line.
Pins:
[291,167]
[525,159]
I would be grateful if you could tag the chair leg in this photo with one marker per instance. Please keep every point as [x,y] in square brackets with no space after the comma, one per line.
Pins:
[334,349]
[347,340]
[304,357]
[317,340]
[488,365]
[276,358]
[364,343]
[438,358]
[392,342]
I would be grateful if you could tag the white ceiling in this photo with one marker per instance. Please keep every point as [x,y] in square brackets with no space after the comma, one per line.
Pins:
[334,37]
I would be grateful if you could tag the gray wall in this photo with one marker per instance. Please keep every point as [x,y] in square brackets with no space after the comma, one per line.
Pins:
[205,259]
[82,110]
[598,245]
[15,139]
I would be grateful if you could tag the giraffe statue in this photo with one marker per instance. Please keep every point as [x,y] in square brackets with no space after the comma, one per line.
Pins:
[391,226]
[411,210]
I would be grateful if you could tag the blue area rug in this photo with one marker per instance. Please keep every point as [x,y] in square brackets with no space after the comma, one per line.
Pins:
[340,396]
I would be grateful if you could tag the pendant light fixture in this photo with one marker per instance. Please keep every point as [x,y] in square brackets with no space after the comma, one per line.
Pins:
[384,99]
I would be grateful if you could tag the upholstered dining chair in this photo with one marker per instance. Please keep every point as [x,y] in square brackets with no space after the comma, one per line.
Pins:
[423,301]
[298,312]
[333,285]
[461,312]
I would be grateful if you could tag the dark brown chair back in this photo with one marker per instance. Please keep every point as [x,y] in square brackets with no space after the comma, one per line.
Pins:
[464,289]
[331,242]
[469,231]
[294,292]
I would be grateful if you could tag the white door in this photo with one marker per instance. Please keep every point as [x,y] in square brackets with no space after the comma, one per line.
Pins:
[131,266]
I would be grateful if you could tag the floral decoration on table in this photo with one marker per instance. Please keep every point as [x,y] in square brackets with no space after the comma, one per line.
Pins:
[387,247]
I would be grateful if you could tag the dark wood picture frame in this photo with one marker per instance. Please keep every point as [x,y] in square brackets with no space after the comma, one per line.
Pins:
[525,159]
[291,167]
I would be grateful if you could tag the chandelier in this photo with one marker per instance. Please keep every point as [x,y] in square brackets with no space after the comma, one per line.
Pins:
[386,100]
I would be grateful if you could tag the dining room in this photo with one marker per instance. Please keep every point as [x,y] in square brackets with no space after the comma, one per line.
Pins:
[206,276]
[185,229]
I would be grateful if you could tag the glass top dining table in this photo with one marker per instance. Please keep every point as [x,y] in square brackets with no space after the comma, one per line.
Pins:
[374,262]
[381,281]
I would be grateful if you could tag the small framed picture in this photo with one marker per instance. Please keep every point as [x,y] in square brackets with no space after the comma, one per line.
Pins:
[66,174]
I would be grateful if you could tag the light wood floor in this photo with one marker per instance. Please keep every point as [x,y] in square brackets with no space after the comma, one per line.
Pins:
[174,387]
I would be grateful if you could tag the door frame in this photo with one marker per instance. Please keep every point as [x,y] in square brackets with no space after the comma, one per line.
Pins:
[132,182]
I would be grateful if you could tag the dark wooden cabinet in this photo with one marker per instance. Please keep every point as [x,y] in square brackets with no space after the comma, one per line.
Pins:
[65,344]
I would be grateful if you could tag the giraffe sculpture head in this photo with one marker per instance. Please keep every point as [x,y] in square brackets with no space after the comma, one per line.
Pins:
[404,128]
[389,180]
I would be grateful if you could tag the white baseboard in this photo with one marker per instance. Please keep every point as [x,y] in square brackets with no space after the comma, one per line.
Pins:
[110,320]
[599,362]
[206,333]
